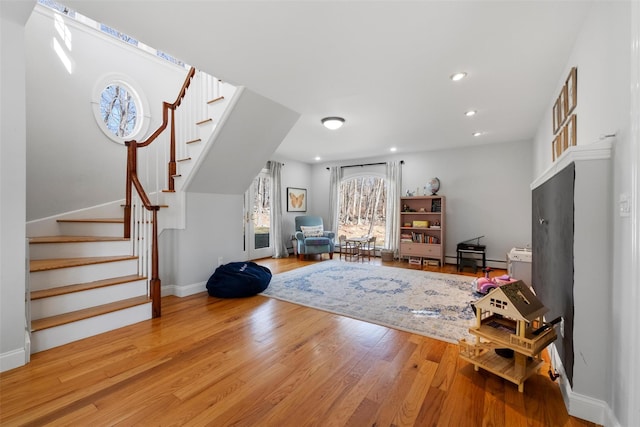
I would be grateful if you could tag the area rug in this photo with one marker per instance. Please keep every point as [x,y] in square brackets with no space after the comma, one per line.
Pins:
[436,305]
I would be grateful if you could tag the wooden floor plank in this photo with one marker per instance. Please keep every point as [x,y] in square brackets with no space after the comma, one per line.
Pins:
[261,361]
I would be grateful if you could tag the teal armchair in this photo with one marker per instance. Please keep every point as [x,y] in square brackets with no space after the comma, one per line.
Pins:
[312,238]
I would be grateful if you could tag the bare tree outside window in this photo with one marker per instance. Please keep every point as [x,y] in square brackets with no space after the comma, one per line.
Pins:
[118,110]
[362,208]
[261,210]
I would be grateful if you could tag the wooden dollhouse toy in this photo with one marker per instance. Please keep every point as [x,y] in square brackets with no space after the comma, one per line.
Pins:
[509,317]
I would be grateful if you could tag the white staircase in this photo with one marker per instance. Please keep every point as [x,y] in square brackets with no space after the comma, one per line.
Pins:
[85,278]
[82,285]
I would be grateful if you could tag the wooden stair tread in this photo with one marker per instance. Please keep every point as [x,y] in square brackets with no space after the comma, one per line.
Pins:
[74,316]
[79,287]
[95,220]
[75,239]
[55,263]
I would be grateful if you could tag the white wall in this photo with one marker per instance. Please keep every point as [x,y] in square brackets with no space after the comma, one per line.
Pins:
[214,229]
[13,353]
[486,190]
[602,54]
[71,163]
[297,175]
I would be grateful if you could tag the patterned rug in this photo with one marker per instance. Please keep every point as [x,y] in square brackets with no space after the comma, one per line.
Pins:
[426,303]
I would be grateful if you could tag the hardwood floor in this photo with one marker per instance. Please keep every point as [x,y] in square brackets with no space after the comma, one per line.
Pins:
[263,362]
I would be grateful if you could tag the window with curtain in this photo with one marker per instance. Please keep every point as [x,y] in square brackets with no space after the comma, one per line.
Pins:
[362,207]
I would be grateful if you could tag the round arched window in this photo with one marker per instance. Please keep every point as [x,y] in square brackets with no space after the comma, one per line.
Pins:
[119,109]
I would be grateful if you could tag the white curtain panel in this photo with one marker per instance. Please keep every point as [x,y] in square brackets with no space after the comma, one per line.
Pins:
[334,196]
[279,245]
[394,191]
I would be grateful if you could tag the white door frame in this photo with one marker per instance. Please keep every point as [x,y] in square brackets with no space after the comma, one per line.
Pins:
[249,231]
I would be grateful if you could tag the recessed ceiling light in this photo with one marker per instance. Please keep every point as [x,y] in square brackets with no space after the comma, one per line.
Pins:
[470,113]
[458,76]
[477,133]
[332,123]
[317,158]
[393,149]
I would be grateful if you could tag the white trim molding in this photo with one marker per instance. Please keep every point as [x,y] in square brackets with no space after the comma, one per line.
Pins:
[14,358]
[579,405]
[633,415]
[185,290]
[594,151]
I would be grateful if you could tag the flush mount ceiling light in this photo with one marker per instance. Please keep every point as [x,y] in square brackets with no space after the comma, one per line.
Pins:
[470,113]
[332,123]
[458,76]
[477,133]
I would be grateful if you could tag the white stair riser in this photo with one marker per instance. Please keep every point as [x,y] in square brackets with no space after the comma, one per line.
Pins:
[53,306]
[91,229]
[87,273]
[78,249]
[63,334]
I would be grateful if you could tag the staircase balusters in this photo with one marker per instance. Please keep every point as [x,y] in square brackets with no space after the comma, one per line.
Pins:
[141,224]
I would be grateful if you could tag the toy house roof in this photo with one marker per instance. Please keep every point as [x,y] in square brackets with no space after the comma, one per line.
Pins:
[514,300]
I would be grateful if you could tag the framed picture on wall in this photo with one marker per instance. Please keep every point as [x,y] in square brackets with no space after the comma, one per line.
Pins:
[571,131]
[562,108]
[555,117]
[572,90]
[296,199]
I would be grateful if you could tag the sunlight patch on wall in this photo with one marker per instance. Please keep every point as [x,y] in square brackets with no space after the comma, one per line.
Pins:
[62,55]
[65,35]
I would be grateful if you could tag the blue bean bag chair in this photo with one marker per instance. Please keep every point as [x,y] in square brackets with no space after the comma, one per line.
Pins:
[238,280]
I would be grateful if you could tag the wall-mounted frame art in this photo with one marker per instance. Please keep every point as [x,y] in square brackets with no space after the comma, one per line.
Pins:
[564,122]
[556,117]
[296,199]
[565,137]
[563,105]
[559,144]
[571,131]
[572,90]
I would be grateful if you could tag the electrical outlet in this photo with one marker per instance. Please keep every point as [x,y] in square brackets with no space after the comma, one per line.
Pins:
[562,327]
[624,205]
[220,261]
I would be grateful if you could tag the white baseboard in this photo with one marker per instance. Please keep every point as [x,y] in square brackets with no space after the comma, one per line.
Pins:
[579,405]
[184,290]
[13,359]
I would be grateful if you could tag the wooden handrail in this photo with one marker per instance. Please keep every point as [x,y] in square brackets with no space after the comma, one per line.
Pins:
[133,181]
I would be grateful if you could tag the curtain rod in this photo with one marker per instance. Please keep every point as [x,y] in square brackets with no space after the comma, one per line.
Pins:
[366,164]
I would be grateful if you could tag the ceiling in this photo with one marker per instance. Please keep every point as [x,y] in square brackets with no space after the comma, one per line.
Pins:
[382,65]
